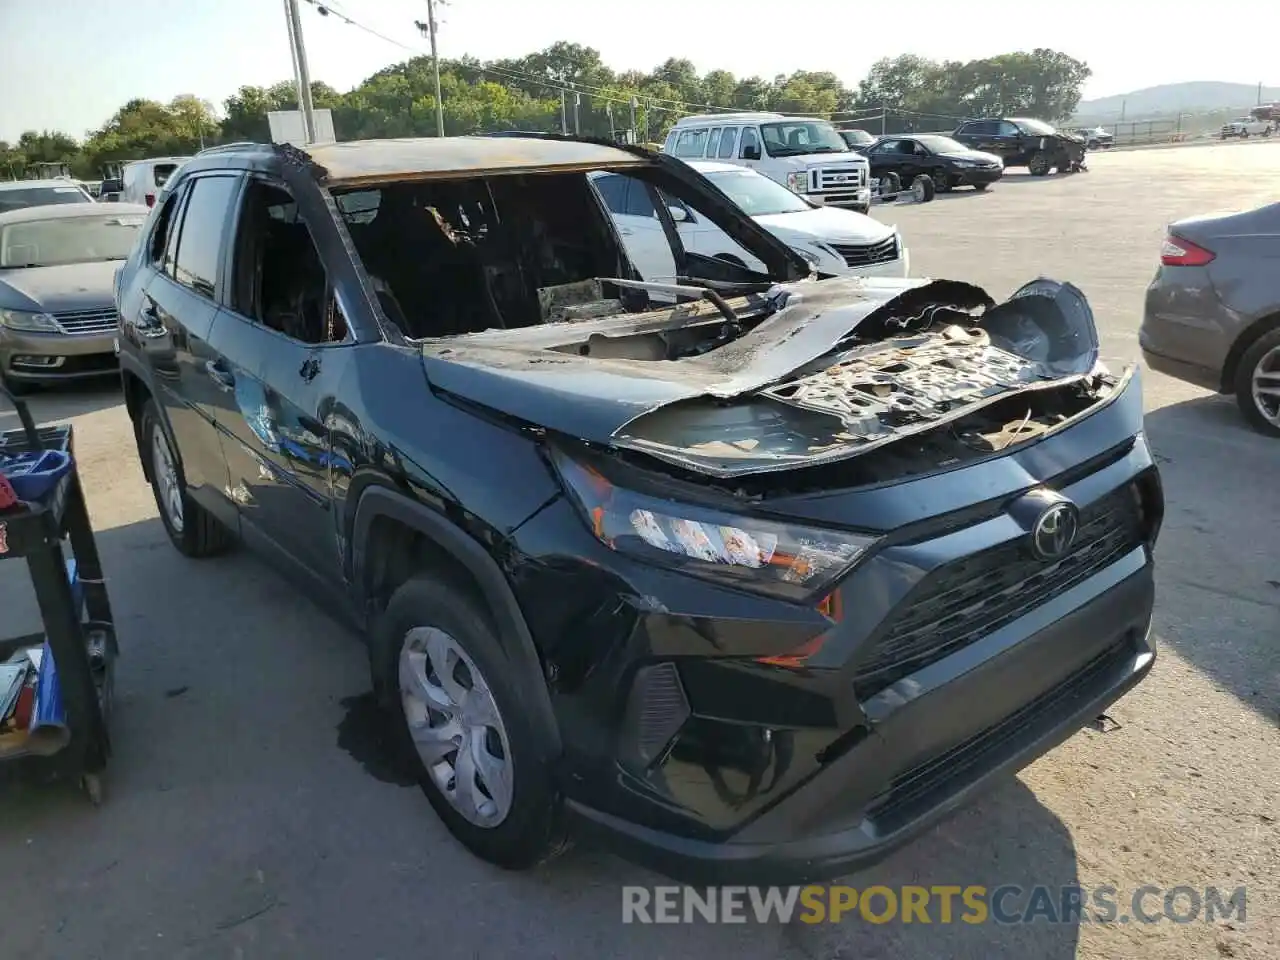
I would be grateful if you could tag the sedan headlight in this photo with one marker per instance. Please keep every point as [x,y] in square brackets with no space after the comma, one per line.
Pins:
[798,181]
[813,258]
[24,320]
[765,556]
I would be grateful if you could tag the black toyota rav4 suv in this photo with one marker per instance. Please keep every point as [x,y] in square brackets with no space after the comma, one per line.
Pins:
[756,574]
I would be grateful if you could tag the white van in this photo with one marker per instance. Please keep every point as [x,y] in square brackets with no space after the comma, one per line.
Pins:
[807,156]
[144,179]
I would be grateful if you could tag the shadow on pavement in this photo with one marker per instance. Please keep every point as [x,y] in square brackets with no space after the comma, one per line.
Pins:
[64,402]
[239,822]
[1218,553]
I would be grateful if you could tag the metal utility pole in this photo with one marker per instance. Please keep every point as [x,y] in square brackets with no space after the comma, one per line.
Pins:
[1259,93]
[301,74]
[428,29]
[564,117]
[608,110]
[577,102]
[635,134]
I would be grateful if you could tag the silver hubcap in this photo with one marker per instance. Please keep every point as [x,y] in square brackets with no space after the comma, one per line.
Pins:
[455,725]
[166,475]
[1266,386]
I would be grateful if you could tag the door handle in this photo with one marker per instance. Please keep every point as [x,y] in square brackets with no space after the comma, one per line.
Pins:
[220,375]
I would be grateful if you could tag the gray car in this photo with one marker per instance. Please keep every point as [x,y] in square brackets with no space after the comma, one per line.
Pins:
[1212,315]
[57,279]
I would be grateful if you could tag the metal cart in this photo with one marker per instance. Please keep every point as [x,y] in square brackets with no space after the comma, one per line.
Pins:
[73,602]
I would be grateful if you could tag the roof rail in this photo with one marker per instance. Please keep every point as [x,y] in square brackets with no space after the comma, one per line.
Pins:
[724,117]
[228,147]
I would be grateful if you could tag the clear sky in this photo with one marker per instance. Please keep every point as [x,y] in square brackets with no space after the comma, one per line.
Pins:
[68,64]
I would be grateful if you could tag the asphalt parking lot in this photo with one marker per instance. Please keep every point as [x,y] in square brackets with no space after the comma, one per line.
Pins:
[250,811]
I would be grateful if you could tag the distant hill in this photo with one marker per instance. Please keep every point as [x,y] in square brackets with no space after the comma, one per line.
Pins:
[1171,98]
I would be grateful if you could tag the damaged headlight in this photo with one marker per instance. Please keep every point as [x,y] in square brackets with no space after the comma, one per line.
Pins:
[781,559]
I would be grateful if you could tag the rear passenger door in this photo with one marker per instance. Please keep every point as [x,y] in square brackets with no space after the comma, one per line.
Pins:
[175,322]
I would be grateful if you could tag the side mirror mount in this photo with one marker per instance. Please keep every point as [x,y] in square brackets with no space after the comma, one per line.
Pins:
[678,214]
[750,153]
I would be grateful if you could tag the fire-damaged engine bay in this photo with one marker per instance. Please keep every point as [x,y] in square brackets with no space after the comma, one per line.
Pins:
[928,373]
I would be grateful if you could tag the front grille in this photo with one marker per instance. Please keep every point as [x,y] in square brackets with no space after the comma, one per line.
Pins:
[76,322]
[969,598]
[965,761]
[867,254]
[841,178]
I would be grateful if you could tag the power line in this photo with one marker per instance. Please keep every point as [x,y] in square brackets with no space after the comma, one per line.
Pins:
[596,92]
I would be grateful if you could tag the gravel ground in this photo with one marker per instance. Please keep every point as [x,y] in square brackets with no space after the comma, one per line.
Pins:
[251,813]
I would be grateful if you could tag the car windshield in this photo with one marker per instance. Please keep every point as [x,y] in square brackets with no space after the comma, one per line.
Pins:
[793,138]
[19,198]
[937,144]
[857,137]
[758,196]
[1035,126]
[52,243]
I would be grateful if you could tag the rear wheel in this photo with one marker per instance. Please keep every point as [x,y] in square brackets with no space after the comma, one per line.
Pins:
[890,183]
[459,713]
[191,528]
[1258,384]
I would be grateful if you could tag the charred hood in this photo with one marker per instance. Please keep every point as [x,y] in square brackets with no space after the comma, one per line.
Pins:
[814,371]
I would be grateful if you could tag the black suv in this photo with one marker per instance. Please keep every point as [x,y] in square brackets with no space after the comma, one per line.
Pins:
[758,584]
[1023,142]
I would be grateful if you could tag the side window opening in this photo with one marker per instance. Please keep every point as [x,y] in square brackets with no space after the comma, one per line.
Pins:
[163,243]
[280,279]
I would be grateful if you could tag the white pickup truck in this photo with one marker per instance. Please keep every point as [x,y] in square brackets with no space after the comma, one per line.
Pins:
[1246,127]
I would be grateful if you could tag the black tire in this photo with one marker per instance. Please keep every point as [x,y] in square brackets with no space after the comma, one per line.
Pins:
[924,183]
[1039,164]
[1244,382]
[980,187]
[1244,134]
[941,181]
[201,535]
[534,830]
[1093,145]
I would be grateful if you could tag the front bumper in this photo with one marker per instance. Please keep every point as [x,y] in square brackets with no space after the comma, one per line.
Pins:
[971,176]
[1025,698]
[50,357]
[859,198]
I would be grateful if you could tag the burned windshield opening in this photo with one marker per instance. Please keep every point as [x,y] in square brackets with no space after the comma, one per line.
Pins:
[449,257]
[452,257]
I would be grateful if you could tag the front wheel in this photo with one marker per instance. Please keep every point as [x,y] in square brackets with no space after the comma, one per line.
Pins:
[1258,384]
[941,181]
[1039,164]
[460,715]
[980,187]
[191,529]
[922,188]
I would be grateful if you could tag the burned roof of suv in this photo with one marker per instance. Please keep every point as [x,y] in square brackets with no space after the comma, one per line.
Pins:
[370,161]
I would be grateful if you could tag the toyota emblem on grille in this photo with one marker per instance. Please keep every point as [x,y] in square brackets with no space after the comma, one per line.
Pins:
[1055,531]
